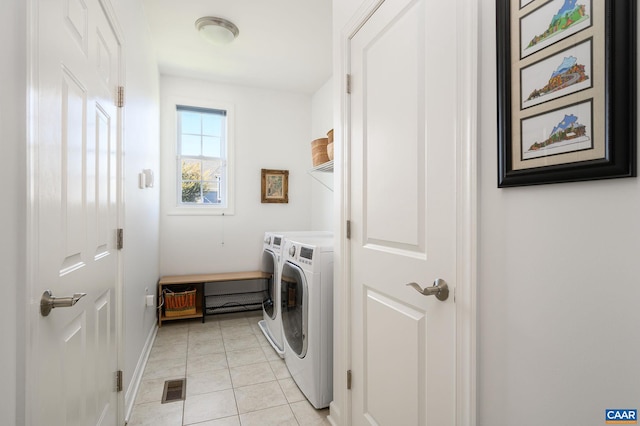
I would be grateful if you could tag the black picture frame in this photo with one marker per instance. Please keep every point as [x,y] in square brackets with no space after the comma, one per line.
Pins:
[611,149]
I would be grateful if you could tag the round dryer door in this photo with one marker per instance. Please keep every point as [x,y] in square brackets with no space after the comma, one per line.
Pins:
[269,265]
[294,302]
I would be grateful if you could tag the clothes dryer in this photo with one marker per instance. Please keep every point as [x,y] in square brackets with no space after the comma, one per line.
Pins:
[306,291]
[271,323]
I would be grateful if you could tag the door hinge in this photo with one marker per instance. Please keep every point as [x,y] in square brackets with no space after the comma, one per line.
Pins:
[349,83]
[120,102]
[348,230]
[119,381]
[120,239]
[348,379]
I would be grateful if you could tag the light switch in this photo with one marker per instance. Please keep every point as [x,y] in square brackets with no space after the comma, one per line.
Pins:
[150,300]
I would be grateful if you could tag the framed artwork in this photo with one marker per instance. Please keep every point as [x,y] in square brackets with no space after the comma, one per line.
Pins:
[566,90]
[275,186]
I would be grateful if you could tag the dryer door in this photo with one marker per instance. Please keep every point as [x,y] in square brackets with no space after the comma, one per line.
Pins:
[270,265]
[294,297]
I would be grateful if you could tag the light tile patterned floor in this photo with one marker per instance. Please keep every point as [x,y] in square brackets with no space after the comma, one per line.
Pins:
[234,377]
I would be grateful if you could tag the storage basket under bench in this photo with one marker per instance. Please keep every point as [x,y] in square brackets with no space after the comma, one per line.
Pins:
[198,295]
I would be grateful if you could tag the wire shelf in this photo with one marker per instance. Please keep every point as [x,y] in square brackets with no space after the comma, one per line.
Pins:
[234,302]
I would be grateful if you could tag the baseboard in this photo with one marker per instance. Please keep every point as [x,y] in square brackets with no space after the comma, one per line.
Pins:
[334,415]
[132,389]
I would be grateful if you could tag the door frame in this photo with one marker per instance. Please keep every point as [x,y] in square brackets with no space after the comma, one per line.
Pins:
[466,216]
[32,299]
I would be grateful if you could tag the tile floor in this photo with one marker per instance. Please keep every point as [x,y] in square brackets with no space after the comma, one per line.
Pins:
[234,377]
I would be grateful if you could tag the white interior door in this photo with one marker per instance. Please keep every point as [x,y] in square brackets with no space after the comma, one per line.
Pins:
[73,354]
[403,214]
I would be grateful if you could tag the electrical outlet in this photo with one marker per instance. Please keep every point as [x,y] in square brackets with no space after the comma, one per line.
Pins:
[149,299]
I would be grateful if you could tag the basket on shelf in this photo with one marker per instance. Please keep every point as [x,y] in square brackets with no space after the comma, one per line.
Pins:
[330,144]
[319,151]
[177,304]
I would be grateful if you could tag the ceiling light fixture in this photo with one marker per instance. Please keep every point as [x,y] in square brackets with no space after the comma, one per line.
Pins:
[217,30]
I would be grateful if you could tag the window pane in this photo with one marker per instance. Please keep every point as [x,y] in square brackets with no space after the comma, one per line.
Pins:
[191,192]
[212,124]
[211,169]
[191,145]
[191,122]
[211,146]
[191,181]
[210,193]
[191,170]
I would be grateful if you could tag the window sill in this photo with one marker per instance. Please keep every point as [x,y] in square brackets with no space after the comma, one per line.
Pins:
[200,211]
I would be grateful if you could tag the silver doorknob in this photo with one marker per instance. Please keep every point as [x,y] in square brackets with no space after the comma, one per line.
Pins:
[48,302]
[440,289]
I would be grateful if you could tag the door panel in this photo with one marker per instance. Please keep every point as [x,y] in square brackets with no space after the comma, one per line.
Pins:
[73,123]
[76,21]
[103,187]
[403,214]
[73,369]
[73,358]
[393,328]
[104,344]
[393,215]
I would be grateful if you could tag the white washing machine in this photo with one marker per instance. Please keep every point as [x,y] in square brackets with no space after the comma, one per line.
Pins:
[271,324]
[306,290]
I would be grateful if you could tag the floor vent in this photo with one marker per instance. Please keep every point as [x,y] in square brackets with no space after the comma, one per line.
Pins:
[174,390]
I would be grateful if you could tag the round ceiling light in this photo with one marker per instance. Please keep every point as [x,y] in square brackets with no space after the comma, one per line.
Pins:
[217,30]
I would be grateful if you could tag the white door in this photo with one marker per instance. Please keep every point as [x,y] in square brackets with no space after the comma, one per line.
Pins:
[403,214]
[72,351]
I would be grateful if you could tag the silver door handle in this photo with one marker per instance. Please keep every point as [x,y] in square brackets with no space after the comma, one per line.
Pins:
[48,302]
[440,289]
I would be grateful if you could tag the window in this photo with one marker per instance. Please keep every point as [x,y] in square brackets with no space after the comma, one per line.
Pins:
[202,160]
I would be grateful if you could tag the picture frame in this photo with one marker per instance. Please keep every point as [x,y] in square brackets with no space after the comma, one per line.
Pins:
[275,186]
[566,90]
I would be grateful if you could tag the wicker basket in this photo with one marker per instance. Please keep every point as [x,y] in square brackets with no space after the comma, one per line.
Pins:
[330,151]
[319,151]
[330,144]
[179,304]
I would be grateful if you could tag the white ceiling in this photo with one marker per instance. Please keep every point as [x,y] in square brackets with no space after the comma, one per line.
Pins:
[282,44]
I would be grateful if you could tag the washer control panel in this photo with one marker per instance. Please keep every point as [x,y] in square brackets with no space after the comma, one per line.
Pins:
[302,254]
[306,253]
[277,241]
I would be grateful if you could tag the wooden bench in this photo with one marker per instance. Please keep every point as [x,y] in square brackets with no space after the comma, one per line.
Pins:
[199,281]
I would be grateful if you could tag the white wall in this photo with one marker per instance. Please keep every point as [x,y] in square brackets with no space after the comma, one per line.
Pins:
[272,131]
[558,288]
[12,213]
[321,188]
[140,259]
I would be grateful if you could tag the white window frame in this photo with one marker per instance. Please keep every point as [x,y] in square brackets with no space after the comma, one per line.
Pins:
[176,206]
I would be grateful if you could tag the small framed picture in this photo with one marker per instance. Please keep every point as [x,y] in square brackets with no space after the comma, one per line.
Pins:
[275,186]
[553,22]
